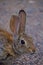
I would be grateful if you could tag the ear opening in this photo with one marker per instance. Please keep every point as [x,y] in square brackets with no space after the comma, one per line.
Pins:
[14,21]
[22,19]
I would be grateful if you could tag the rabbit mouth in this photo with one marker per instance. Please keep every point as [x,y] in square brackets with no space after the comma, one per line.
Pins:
[32,51]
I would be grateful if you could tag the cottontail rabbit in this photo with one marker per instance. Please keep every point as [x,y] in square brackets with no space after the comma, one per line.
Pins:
[17,43]
[23,43]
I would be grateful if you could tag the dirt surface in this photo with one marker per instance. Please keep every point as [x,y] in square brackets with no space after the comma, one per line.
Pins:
[34,27]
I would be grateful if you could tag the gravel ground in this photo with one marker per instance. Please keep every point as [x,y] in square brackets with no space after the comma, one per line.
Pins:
[34,27]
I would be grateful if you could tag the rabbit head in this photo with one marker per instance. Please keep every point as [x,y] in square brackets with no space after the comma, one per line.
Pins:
[23,43]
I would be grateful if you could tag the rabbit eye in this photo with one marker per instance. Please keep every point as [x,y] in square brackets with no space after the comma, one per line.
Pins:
[22,42]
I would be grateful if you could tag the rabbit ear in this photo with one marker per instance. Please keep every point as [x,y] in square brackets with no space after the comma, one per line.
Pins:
[22,19]
[14,21]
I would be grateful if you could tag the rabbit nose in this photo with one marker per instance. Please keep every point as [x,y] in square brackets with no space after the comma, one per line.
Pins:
[33,51]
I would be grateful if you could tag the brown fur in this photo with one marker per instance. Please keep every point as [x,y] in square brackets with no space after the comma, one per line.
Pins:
[16,47]
[6,34]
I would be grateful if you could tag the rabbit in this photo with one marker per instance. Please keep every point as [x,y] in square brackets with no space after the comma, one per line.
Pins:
[23,42]
[19,42]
